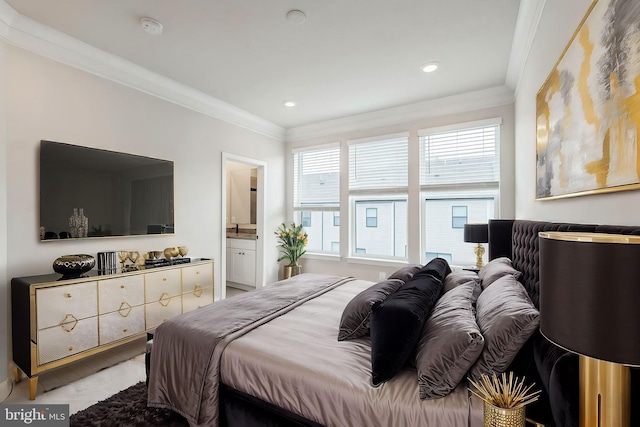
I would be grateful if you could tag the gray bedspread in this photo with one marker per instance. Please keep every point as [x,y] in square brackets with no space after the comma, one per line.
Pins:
[185,360]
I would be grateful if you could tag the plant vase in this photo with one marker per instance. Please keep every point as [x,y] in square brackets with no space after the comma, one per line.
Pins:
[292,270]
[501,417]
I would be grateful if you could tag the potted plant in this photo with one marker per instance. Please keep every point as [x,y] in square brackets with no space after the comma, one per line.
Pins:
[291,241]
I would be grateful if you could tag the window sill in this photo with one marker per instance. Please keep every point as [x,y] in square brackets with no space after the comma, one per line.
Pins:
[377,261]
[323,257]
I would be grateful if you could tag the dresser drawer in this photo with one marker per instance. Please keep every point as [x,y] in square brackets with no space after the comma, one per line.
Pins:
[197,298]
[54,304]
[158,312]
[161,283]
[115,326]
[66,340]
[114,293]
[196,275]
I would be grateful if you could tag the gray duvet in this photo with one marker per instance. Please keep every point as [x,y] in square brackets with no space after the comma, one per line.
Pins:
[293,360]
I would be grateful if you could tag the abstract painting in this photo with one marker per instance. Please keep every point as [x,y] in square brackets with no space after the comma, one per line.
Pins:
[588,109]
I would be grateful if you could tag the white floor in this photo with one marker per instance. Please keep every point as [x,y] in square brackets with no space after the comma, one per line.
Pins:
[87,382]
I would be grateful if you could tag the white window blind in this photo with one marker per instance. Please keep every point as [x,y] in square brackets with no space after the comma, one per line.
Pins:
[460,157]
[316,177]
[378,165]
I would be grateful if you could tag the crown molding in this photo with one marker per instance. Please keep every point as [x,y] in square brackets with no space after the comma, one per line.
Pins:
[455,104]
[33,36]
[527,23]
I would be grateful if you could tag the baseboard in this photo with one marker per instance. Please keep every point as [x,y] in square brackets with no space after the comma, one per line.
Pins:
[240,286]
[5,389]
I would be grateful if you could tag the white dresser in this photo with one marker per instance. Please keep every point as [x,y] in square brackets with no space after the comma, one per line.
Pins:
[56,322]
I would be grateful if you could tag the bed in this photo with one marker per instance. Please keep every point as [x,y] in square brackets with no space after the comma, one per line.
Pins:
[274,360]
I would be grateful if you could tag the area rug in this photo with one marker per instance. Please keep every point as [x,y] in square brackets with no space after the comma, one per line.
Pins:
[127,409]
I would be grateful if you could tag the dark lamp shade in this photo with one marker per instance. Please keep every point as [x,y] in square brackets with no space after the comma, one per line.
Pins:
[476,233]
[590,294]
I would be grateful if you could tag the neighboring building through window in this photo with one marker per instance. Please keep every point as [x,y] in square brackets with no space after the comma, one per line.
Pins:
[372,217]
[336,219]
[306,219]
[433,255]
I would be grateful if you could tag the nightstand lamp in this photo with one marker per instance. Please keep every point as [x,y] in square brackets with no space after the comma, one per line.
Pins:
[477,233]
[589,293]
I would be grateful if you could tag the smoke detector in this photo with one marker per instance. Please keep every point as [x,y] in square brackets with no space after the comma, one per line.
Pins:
[151,26]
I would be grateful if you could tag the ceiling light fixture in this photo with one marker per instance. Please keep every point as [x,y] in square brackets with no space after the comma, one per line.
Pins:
[296,16]
[290,104]
[151,26]
[430,67]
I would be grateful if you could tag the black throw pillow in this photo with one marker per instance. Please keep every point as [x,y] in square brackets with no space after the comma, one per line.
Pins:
[396,323]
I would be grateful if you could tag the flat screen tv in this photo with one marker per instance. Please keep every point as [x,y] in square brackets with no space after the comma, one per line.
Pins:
[88,192]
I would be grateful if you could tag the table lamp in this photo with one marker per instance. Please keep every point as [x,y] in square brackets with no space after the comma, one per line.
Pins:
[477,233]
[589,295]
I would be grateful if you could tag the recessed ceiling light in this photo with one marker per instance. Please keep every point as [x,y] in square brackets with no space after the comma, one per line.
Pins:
[430,67]
[296,16]
[151,26]
[290,103]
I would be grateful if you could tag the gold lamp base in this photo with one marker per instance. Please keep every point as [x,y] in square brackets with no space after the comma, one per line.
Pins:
[605,393]
[479,251]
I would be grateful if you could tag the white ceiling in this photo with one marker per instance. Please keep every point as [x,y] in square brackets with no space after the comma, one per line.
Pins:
[349,57]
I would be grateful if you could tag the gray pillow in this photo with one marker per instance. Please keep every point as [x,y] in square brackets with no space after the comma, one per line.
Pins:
[406,273]
[459,277]
[355,317]
[450,343]
[507,319]
[495,269]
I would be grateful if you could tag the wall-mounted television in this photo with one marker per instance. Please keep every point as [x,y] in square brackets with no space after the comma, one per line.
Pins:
[88,192]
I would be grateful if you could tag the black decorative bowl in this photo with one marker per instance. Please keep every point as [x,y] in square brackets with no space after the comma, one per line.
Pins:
[73,266]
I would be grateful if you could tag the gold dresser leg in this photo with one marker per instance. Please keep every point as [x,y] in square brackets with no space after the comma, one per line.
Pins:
[33,387]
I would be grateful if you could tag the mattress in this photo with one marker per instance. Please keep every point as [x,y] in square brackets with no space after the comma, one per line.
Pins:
[296,363]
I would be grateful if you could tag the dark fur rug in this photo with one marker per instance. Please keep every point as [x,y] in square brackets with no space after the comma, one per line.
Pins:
[127,408]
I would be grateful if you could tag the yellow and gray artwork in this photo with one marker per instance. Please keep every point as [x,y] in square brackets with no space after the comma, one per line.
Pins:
[588,110]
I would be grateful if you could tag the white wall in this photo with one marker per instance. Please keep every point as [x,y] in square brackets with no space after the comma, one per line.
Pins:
[4,283]
[559,20]
[48,100]
[371,271]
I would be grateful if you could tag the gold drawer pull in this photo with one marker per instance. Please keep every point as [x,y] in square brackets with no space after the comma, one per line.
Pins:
[197,291]
[125,330]
[164,320]
[70,348]
[164,299]
[124,308]
[69,319]
[164,279]
[67,295]
[197,272]
[121,286]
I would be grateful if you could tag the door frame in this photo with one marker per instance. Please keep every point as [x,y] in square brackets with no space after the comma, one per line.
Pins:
[260,218]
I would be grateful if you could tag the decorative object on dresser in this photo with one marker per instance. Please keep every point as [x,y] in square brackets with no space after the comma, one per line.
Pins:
[291,242]
[589,305]
[107,262]
[477,233]
[587,110]
[171,253]
[73,266]
[56,322]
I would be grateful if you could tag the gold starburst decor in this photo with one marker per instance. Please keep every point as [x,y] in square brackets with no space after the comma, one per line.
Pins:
[505,399]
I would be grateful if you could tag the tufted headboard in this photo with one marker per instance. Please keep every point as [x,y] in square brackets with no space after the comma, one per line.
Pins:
[518,240]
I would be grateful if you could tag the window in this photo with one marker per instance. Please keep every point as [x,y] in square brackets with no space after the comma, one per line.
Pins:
[432,255]
[306,219]
[372,217]
[458,216]
[316,196]
[459,183]
[378,182]
[336,219]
